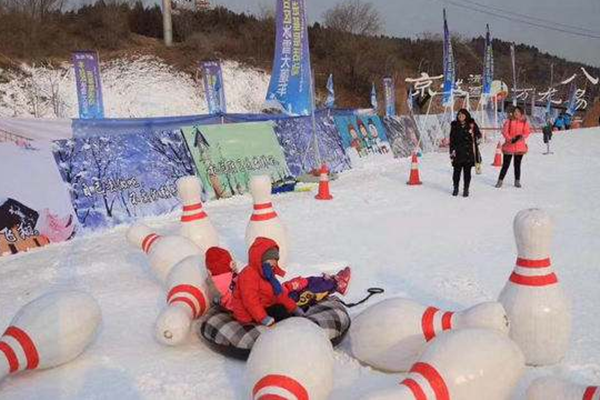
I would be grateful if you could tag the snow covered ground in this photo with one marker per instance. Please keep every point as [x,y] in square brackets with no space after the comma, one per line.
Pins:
[417,242]
[132,88]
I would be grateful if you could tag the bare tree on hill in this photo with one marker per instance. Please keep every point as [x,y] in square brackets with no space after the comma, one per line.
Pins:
[354,16]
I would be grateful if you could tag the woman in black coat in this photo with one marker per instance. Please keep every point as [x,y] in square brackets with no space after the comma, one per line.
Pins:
[464,152]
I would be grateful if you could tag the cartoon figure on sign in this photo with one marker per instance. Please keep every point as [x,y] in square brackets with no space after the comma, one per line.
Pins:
[202,145]
[356,142]
[365,136]
[379,144]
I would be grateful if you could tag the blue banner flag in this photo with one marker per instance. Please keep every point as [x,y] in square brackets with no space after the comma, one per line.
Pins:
[330,103]
[449,68]
[290,86]
[488,67]
[374,103]
[572,107]
[89,87]
[389,91]
[213,87]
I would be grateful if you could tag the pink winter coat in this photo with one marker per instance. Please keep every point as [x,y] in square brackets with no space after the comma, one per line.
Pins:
[512,129]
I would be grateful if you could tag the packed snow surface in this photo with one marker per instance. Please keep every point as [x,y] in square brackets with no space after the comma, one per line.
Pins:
[417,242]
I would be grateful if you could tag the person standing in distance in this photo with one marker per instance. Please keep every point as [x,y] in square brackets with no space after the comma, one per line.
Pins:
[516,130]
[464,137]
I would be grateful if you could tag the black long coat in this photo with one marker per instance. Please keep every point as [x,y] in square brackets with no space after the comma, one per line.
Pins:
[463,144]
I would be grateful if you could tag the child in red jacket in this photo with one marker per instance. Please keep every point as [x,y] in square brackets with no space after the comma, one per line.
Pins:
[303,291]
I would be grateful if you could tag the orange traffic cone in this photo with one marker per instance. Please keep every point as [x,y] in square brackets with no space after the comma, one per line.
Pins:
[498,157]
[324,184]
[414,172]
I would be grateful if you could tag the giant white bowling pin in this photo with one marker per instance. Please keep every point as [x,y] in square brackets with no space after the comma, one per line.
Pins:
[264,221]
[163,251]
[552,388]
[187,299]
[49,331]
[291,361]
[465,364]
[195,223]
[391,334]
[536,305]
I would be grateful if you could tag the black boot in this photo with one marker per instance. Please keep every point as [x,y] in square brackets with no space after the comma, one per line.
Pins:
[466,192]
[455,192]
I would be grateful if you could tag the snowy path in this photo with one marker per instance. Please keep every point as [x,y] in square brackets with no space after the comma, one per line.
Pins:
[413,241]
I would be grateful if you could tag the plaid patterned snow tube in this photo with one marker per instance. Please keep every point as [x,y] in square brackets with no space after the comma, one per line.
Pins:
[225,335]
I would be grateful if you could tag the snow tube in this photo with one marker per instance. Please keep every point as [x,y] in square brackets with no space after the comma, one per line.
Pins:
[225,335]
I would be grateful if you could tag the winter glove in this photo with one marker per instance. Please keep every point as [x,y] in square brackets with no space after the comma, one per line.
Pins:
[267,321]
[516,139]
[298,312]
[453,154]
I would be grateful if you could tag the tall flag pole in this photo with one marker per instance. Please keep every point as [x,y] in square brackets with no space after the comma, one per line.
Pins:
[549,104]
[374,103]
[88,83]
[290,88]
[389,91]
[449,67]
[514,73]
[572,107]
[330,103]
[488,68]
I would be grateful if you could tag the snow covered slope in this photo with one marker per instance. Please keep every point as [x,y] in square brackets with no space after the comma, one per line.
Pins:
[141,87]
[414,241]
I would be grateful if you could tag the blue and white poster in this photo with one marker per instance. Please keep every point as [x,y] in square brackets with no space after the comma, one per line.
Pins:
[389,91]
[118,178]
[449,68]
[363,135]
[212,77]
[296,139]
[290,86]
[89,87]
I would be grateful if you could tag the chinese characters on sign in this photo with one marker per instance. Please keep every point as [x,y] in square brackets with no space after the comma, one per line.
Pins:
[89,89]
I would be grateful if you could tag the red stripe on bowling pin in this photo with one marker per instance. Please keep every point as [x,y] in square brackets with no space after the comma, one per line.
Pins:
[11,357]
[537,281]
[193,217]
[428,322]
[31,353]
[282,382]
[533,280]
[414,388]
[447,321]
[263,217]
[192,291]
[524,263]
[589,393]
[148,242]
[433,377]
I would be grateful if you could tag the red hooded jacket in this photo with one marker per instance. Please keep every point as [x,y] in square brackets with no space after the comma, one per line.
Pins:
[511,129]
[253,293]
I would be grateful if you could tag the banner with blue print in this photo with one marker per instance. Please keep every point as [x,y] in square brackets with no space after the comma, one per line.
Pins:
[89,87]
[389,91]
[330,102]
[290,88]
[117,178]
[212,76]
[488,66]
[449,68]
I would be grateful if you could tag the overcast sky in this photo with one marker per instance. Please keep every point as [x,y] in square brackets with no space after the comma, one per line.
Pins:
[406,18]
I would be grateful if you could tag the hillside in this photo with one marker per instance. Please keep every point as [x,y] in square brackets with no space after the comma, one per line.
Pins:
[118,30]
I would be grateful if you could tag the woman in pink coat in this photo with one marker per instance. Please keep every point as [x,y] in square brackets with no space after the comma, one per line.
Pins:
[515,131]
